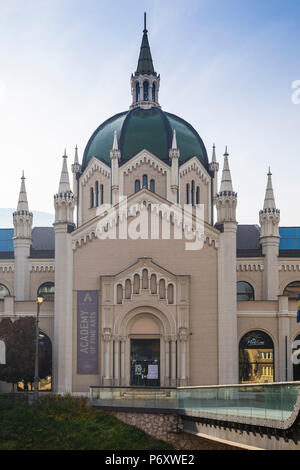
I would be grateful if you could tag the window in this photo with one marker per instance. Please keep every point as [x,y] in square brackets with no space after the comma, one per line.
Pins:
[152,186]
[256,358]
[119,293]
[146,90]
[137,91]
[101,194]
[153,91]
[47,291]
[162,289]
[145,181]
[92,201]
[244,291]
[292,290]
[4,292]
[193,193]
[170,294]
[128,289]
[97,193]
[198,195]
[137,186]
[188,193]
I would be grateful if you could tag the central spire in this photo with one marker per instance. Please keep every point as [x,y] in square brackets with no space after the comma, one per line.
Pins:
[145,81]
[145,63]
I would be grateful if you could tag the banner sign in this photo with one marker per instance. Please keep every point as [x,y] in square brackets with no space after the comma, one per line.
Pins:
[152,371]
[87,332]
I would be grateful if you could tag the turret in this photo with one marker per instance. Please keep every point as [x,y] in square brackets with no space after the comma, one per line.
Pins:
[226,201]
[76,170]
[22,220]
[174,157]
[145,81]
[269,218]
[115,156]
[64,203]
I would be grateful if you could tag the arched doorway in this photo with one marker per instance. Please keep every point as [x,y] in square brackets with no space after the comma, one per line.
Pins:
[296,358]
[145,351]
[256,358]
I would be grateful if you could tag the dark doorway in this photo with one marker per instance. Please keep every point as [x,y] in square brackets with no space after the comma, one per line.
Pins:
[296,365]
[145,362]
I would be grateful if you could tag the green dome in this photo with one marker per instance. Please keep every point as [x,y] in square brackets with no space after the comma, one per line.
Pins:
[150,129]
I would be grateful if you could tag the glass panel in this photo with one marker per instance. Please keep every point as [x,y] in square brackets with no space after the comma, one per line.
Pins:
[145,362]
[4,292]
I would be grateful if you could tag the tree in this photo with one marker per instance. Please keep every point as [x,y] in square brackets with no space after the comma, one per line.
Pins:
[19,338]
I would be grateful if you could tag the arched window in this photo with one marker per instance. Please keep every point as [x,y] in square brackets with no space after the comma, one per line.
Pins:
[101,194]
[296,357]
[137,91]
[145,182]
[153,284]
[119,293]
[188,193]
[145,279]
[256,358]
[244,291]
[92,201]
[47,291]
[146,90]
[97,193]
[152,186]
[153,91]
[193,193]
[4,292]
[136,284]
[292,290]
[137,185]
[162,289]
[128,289]
[198,195]
[170,294]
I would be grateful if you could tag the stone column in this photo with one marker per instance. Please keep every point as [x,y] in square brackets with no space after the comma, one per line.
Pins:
[107,354]
[117,361]
[123,373]
[167,361]
[173,363]
[183,348]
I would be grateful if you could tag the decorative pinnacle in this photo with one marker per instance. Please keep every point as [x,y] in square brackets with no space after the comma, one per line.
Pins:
[22,202]
[64,183]
[115,143]
[214,157]
[269,202]
[226,183]
[226,154]
[174,142]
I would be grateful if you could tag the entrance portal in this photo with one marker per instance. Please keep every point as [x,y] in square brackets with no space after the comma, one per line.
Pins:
[145,362]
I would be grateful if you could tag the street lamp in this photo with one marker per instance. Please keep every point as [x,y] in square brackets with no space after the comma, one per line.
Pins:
[39,301]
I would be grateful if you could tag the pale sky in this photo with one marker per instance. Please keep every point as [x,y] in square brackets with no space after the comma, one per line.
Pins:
[226,66]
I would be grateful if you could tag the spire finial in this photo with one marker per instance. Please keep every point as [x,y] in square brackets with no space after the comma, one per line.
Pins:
[22,202]
[226,152]
[115,143]
[214,157]
[269,202]
[174,142]
[226,183]
[64,183]
[145,22]
[76,161]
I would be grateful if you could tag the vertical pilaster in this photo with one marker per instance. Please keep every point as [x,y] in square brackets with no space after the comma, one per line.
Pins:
[285,368]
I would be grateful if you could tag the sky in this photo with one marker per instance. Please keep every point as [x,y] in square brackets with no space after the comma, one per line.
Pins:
[226,66]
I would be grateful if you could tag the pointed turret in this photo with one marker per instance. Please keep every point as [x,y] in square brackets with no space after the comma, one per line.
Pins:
[64,201]
[22,219]
[226,182]
[214,169]
[76,170]
[174,155]
[145,81]
[64,183]
[115,156]
[269,219]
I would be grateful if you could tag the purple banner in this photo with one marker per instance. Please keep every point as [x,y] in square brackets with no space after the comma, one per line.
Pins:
[87,332]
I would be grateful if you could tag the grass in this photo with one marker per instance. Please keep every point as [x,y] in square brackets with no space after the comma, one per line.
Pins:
[67,423]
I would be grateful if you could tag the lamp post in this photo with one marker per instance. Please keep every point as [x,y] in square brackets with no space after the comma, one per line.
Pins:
[39,301]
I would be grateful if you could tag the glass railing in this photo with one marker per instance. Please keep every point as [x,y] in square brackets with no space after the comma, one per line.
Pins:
[134,397]
[275,401]
[266,401]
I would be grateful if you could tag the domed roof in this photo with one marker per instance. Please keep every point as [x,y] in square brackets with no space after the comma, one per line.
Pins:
[150,129]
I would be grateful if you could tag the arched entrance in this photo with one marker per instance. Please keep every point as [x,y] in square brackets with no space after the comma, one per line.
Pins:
[145,351]
[256,358]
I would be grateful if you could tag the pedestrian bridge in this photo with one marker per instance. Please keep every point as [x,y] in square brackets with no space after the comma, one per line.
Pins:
[258,415]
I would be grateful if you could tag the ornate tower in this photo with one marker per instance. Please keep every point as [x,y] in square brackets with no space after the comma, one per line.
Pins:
[64,204]
[214,169]
[226,202]
[76,170]
[145,81]
[22,219]
[269,219]
[115,156]
[174,157]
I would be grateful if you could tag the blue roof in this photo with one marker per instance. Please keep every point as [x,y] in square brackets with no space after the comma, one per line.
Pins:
[6,239]
[289,238]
